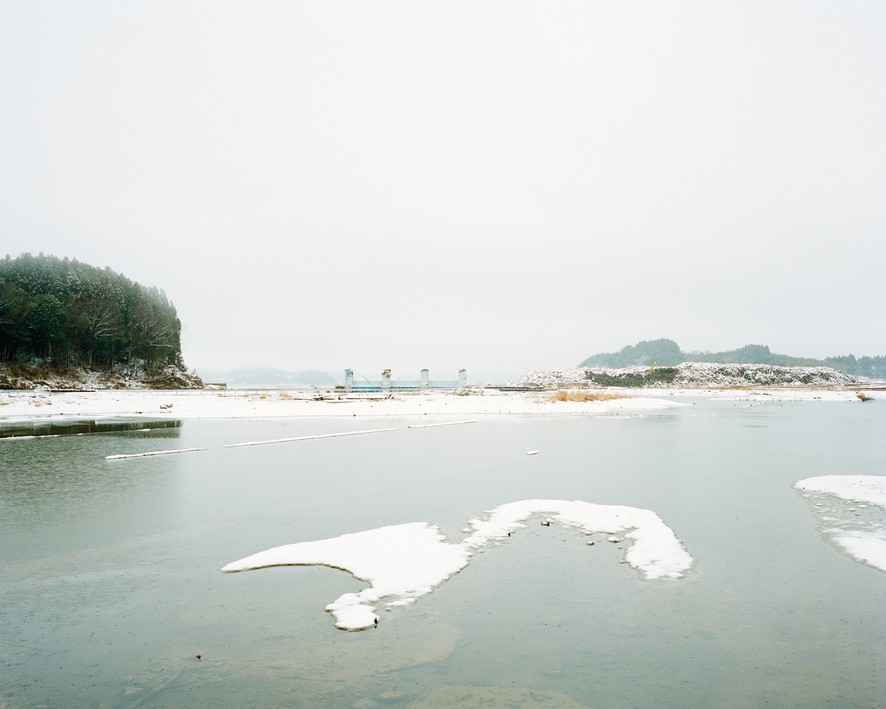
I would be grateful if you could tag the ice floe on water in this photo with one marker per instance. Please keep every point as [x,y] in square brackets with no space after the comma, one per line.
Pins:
[856,488]
[400,563]
[404,562]
[850,511]
[123,456]
[655,549]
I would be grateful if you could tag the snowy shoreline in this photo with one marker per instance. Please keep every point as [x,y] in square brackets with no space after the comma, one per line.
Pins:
[17,407]
[32,406]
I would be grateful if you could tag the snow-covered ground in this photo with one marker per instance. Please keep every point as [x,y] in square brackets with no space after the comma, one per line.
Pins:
[404,562]
[18,406]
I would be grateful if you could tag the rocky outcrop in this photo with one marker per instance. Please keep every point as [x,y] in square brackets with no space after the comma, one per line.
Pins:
[690,375]
[83,379]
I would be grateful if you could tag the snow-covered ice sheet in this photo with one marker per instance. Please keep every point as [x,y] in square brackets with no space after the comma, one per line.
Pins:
[851,511]
[858,488]
[655,549]
[404,562]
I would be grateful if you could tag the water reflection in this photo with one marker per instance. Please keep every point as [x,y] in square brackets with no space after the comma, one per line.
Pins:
[81,426]
[58,494]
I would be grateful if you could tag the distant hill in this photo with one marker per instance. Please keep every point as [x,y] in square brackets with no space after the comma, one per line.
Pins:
[666,352]
[268,378]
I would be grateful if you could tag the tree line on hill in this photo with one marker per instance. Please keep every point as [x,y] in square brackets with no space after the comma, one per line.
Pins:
[666,352]
[64,313]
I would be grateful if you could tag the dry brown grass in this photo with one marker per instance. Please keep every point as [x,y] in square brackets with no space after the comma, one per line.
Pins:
[573,395]
[863,397]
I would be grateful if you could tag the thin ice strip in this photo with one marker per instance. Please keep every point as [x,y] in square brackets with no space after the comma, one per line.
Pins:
[145,455]
[307,438]
[447,423]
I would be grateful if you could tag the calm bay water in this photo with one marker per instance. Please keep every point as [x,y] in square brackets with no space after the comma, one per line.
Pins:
[110,584]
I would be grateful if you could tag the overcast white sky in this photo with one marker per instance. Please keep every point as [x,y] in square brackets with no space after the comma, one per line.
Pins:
[492,185]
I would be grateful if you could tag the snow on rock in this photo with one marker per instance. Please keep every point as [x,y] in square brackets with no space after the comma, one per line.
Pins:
[75,378]
[551,378]
[693,375]
[718,375]
[404,562]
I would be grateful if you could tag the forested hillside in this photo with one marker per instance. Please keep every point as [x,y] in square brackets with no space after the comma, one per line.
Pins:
[62,313]
[666,352]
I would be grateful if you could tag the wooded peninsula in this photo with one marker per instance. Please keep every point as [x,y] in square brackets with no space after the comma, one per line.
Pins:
[62,314]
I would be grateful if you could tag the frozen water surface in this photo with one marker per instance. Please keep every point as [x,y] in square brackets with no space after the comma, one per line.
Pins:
[110,583]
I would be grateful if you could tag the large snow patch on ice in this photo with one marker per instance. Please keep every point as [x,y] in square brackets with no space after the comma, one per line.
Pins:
[404,562]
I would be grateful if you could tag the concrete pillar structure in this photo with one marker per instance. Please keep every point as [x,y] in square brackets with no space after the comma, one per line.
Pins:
[386,380]
[425,378]
[349,379]
[462,378]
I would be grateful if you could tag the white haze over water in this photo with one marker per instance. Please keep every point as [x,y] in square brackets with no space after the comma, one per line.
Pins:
[494,185]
